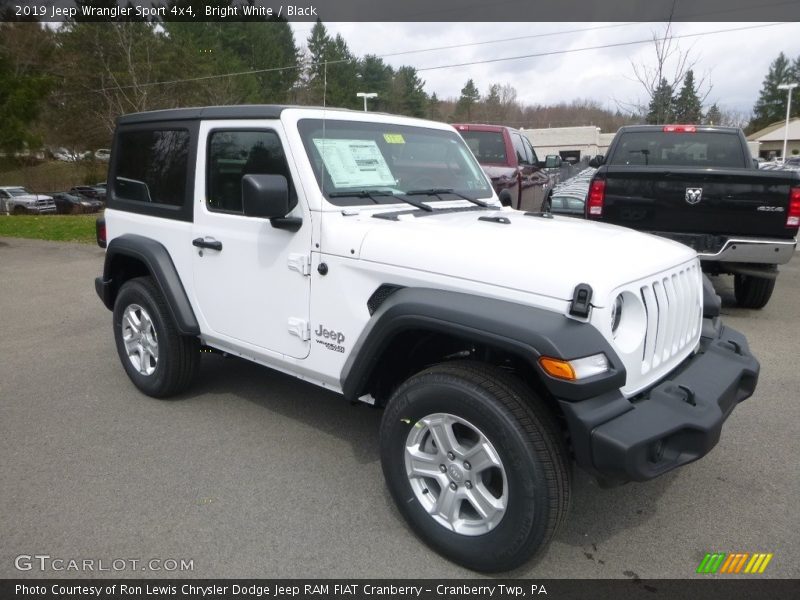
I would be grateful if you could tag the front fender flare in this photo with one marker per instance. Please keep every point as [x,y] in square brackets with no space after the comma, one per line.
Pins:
[525,331]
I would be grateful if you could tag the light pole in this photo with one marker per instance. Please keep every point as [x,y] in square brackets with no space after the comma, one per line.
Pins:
[367,95]
[790,87]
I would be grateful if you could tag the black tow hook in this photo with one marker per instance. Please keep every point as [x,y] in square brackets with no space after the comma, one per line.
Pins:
[736,347]
[689,399]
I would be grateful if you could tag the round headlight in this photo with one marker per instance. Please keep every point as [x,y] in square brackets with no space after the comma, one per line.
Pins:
[616,314]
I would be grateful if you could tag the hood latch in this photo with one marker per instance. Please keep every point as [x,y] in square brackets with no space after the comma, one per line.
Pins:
[581,300]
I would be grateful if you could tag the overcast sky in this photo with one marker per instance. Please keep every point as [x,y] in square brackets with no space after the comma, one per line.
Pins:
[734,63]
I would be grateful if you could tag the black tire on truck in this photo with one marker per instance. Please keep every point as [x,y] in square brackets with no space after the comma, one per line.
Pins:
[158,360]
[752,292]
[476,464]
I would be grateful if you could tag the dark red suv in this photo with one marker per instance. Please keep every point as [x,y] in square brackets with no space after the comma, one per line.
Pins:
[510,161]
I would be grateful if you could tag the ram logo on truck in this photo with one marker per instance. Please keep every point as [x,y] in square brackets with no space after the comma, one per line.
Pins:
[694,195]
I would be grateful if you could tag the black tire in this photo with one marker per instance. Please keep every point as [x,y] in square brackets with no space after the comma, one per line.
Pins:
[178,356]
[752,292]
[20,210]
[527,441]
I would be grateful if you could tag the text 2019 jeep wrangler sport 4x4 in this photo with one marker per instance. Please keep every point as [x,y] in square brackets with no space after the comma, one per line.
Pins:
[367,253]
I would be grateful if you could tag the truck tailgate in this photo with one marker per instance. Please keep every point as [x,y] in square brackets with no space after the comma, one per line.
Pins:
[710,201]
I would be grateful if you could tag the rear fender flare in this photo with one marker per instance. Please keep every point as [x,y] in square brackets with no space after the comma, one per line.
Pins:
[156,259]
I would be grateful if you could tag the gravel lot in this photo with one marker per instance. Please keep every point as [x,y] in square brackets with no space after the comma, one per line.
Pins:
[254,474]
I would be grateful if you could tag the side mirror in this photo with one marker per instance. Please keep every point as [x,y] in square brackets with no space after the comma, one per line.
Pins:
[267,197]
[597,161]
[552,161]
[505,198]
[756,164]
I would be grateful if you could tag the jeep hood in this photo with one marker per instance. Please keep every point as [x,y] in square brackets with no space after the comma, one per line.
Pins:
[544,256]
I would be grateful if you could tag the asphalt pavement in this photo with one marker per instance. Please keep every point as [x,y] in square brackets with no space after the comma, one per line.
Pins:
[255,474]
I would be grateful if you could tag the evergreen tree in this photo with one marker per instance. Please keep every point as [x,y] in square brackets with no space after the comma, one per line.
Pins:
[687,106]
[318,43]
[23,83]
[376,76]
[713,116]
[408,96]
[661,109]
[466,102]
[332,73]
[492,104]
[771,104]
[434,111]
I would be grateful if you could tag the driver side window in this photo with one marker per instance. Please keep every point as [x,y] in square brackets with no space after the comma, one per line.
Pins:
[234,154]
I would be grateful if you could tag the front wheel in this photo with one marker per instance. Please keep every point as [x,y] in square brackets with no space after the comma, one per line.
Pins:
[157,359]
[475,464]
[752,292]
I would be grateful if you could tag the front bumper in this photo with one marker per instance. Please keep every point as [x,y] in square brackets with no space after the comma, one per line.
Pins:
[674,423]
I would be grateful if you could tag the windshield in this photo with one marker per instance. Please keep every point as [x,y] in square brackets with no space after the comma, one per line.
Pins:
[357,157]
[18,192]
[701,149]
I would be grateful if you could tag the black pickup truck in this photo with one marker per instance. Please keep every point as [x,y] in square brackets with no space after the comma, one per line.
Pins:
[700,186]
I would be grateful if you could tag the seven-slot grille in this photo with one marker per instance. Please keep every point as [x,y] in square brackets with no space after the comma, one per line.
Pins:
[673,306]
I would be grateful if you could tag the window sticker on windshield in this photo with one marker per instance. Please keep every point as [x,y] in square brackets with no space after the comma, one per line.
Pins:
[394,138]
[354,163]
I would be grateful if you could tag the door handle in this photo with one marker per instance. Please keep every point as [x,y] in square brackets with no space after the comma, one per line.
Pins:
[210,244]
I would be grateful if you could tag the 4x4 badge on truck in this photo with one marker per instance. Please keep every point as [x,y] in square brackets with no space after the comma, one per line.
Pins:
[694,195]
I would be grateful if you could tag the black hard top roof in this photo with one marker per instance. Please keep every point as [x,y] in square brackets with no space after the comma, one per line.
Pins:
[240,111]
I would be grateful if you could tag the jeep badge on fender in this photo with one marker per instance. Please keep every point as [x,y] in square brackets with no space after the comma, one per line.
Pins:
[338,337]
[490,377]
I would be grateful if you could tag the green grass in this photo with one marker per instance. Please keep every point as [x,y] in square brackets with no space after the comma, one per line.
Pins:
[59,228]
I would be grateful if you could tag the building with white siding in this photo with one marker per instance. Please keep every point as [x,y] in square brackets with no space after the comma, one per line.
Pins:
[571,143]
[770,139]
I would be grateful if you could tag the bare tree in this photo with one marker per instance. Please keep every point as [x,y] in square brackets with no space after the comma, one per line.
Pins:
[732,117]
[669,68]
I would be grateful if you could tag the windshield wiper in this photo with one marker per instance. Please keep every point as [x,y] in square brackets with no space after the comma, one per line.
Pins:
[374,194]
[371,194]
[439,191]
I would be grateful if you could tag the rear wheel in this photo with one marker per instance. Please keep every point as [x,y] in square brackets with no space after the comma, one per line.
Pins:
[158,360]
[475,464]
[752,292]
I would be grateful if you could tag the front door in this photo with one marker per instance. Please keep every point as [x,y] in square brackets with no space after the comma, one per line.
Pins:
[251,280]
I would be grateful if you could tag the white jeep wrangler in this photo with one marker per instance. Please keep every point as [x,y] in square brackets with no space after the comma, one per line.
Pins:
[368,254]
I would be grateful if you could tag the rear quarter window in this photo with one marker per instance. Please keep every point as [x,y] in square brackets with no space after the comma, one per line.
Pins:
[659,148]
[151,166]
[152,170]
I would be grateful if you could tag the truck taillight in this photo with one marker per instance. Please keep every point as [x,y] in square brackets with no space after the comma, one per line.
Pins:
[597,197]
[100,231]
[680,129]
[793,218]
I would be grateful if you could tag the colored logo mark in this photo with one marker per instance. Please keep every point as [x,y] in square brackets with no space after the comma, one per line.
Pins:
[735,562]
